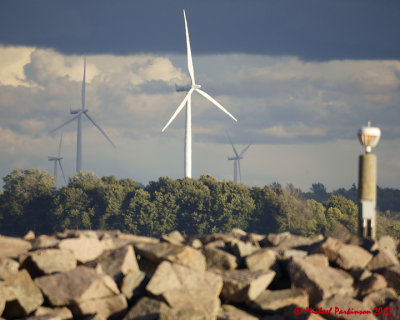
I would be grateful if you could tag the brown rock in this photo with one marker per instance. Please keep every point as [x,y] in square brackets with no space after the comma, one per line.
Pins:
[392,276]
[319,282]
[384,258]
[75,286]
[174,237]
[44,242]
[317,259]
[379,298]
[289,253]
[287,240]
[244,285]
[242,249]
[8,267]
[229,312]
[388,243]
[373,283]
[111,307]
[63,313]
[183,255]
[13,247]
[341,303]
[261,260]
[279,299]
[22,295]
[147,309]
[49,261]
[84,249]
[29,235]
[43,317]
[220,259]
[391,312]
[2,298]
[133,284]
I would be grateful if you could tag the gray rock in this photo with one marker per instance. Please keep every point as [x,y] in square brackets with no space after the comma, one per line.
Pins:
[216,258]
[279,299]
[13,247]
[8,267]
[22,295]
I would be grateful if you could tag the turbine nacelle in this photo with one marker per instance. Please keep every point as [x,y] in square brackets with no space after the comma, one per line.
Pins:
[235,158]
[54,158]
[76,111]
[183,88]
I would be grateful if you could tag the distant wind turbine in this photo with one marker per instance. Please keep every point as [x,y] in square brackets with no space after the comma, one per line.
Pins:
[187,101]
[78,115]
[236,161]
[57,162]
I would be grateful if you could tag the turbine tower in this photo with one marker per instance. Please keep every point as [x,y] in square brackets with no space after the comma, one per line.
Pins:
[188,102]
[236,161]
[57,160]
[78,115]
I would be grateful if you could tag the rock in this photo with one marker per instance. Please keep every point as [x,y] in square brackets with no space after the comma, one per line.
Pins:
[174,237]
[384,258]
[63,313]
[229,312]
[392,276]
[111,307]
[134,239]
[8,267]
[236,232]
[360,274]
[373,283]
[43,317]
[279,299]
[84,249]
[195,243]
[244,285]
[242,249]
[388,243]
[29,235]
[13,247]
[22,295]
[317,259]
[288,253]
[391,312]
[217,244]
[261,260]
[44,242]
[147,309]
[379,298]
[75,286]
[287,240]
[341,305]
[220,259]
[49,261]
[183,255]
[118,262]
[319,282]
[133,284]
[182,287]
[346,256]
[2,298]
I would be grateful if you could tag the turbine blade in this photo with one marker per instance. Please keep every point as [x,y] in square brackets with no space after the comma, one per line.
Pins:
[189,51]
[178,109]
[233,147]
[83,83]
[62,170]
[240,172]
[100,129]
[244,150]
[208,97]
[66,122]
[59,146]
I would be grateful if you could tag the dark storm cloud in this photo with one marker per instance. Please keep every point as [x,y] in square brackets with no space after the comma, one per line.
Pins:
[309,29]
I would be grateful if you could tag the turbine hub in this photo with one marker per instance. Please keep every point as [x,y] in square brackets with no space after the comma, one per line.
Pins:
[196,86]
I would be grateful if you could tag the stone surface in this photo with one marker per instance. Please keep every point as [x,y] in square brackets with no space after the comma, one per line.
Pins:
[183,255]
[319,282]
[63,313]
[220,259]
[133,284]
[379,298]
[242,249]
[77,285]
[287,240]
[49,261]
[229,312]
[22,295]
[263,259]
[278,299]
[392,311]
[341,303]
[388,243]
[147,309]
[107,307]
[317,259]
[174,237]
[288,253]
[8,267]
[384,258]
[373,283]
[244,285]
[13,247]
[44,242]
[346,256]
[392,276]
[84,249]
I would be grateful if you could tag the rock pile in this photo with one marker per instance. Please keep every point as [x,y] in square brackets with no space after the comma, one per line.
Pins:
[238,276]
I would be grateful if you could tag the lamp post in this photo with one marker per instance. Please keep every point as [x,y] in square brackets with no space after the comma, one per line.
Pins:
[369,138]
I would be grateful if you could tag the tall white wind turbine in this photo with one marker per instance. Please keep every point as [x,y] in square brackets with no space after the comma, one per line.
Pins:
[188,102]
[236,161]
[78,115]
[57,163]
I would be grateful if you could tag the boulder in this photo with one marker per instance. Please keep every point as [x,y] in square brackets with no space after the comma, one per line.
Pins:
[346,256]
[317,259]
[345,308]
[392,276]
[391,312]
[75,286]
[287,240]
[22,295]
[84,249]
[243,285]
[242,249]
[379,298]
[183,255]
[147,309]
[2,298]
[29,235]
[195,243]
[319,282]
[111,307]
[63,313]
[388,243]
[13,247]
[8,267]
[48,261]
[133,284]
[263,259]
[229,312]
[220,259]
[384,258]
[279,299]
[288,253]
[373,283]
[174,237]
[44,242]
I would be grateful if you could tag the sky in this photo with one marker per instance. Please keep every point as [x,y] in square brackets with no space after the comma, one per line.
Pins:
[301,77]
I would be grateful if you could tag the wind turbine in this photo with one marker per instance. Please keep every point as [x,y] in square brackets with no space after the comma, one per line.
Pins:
[236,161]
[78,115]
[188,102]
[57,160]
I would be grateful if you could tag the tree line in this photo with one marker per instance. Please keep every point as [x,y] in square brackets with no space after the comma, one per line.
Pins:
[30,201]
